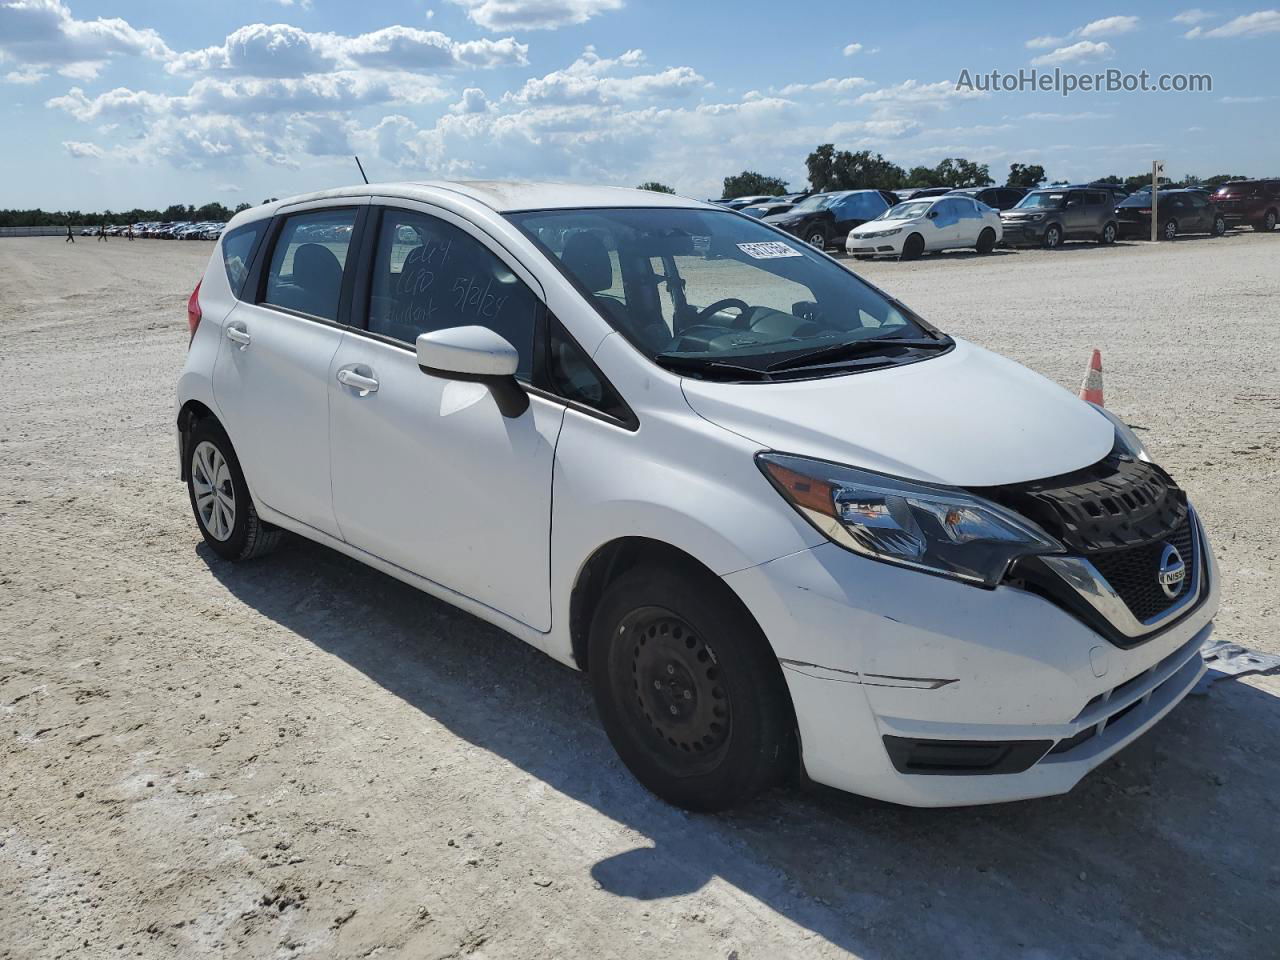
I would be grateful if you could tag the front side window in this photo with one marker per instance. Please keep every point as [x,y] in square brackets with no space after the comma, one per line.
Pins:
[1042,201]
[718,294]
[429,275]
[237,251]
[862,206]
[306,266]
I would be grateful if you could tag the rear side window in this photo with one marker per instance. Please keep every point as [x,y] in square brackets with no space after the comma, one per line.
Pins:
[237,253]
[306,266]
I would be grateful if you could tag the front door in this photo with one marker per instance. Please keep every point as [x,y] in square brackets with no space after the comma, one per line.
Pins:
[270,379]
[427,473]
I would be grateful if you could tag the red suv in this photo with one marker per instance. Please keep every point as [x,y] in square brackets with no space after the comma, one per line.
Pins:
[1256,202]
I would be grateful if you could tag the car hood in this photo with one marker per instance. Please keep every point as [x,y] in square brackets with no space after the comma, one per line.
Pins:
[872,226]
[966,418]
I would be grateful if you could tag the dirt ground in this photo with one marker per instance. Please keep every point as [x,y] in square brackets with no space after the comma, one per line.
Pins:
[300,757]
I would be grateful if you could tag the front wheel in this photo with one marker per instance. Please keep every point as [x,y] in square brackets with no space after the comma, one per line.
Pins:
[913,247]
[1170,231]
[816,238]
[688,689]
[1219,226]
[986,241]
[1053,237]
[1108,235]
[220,498]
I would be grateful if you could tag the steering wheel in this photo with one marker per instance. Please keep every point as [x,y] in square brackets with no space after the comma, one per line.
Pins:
[706,313]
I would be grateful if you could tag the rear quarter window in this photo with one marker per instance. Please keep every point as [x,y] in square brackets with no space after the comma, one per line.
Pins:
[238,246]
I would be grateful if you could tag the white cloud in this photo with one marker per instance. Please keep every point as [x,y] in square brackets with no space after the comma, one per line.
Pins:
[1192,17]
[229,188]
[1085,115]
[1083,50]
[43,33]
[915,92]
[300,4]
[533,14]
[83,151]
[1249,25]
[1043,43]
[852,49]
[282,50]
[591,79]
[1258,99]
[1108,27]
[25,76]
[473,101]
[830,85]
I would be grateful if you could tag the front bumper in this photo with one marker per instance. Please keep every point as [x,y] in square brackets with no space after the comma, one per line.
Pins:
[874,247]
[1019,233]
[870,651]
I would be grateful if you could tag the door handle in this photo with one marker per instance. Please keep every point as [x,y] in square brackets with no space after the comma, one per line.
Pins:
[364,385]
[238,334]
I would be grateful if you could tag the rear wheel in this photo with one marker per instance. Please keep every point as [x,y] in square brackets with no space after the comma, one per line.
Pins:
[1268,222]
[913,247]
[688,689]
[220,498]
[1170,231]
[1053,237]
[1108,236]
[986,241]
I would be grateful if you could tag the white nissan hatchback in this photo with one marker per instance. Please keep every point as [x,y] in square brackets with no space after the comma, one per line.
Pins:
[781,521]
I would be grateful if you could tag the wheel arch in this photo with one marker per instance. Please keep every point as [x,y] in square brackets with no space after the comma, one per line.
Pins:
[190,413]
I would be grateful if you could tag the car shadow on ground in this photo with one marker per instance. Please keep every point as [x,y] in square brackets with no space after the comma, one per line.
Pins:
[1167,850]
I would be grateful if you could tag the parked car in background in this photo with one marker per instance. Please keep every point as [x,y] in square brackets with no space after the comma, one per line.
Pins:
[997,198]
[1049,217]
[769,208]
[909,229]
[1116,191]
[823,219]
[1255,202]
[87,231]
[737,203]
[1179,211]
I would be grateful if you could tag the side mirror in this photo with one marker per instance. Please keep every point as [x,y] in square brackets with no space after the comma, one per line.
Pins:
[932,214]
[477,355]
[1073,203]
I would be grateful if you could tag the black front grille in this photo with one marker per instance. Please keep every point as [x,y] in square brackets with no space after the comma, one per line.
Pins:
[1132,572]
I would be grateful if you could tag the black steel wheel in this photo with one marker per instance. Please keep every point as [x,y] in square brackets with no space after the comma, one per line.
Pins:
[688,688]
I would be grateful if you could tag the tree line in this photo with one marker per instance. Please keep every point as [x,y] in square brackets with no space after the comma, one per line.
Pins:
[832,169]
[58,218]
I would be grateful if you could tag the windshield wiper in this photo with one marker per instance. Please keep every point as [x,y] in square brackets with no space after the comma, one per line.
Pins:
[682,363]
[850,349]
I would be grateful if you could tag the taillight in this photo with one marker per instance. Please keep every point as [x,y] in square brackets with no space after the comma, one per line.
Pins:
[193,310]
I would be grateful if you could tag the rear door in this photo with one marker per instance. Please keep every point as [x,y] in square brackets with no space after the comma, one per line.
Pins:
[271,378]
[970,223]
[427,472]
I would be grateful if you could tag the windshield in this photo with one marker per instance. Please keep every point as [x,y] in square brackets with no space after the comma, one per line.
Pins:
[907,211]
[817,201]
[690,286]
[1041,200]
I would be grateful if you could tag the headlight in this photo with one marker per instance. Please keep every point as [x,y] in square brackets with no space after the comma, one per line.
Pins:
[876,234]
[1126,440]
[942,530]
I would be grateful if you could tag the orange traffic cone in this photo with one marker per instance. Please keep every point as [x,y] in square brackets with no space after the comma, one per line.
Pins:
[1091,389]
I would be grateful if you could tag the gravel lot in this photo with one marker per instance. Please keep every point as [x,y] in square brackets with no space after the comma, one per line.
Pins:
[301,757]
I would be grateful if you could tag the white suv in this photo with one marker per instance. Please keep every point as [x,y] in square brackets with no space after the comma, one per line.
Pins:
[778,518]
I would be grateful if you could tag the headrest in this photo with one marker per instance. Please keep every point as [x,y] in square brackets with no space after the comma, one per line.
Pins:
[587,259]
[314,263]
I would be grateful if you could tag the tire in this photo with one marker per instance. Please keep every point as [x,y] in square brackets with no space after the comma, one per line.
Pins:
[1170,231]
[1052,237]
[1108,235]
[817,238]
[223,508]
[1219,226]
[912,247]
[1268,222]
[688,689]
[986,241]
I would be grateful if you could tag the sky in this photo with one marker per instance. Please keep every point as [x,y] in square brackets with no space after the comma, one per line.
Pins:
[123,103]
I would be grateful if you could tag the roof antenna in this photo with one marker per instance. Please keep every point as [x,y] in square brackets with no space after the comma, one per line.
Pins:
[361,166]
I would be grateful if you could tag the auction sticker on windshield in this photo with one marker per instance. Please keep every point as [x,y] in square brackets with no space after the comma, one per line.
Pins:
[768,250]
